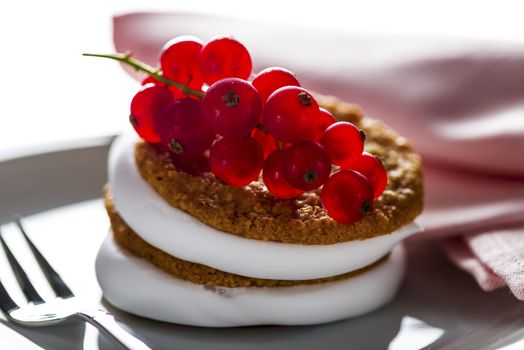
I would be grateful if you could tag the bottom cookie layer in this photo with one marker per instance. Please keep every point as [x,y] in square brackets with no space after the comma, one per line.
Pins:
[134,285]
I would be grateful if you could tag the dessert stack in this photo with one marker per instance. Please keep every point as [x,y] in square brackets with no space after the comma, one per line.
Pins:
[246,200]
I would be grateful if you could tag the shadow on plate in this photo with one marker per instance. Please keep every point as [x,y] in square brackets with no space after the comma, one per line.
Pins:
[328,336]
[69,335]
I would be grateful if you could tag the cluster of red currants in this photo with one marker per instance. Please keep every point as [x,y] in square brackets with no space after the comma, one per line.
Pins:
[241,128]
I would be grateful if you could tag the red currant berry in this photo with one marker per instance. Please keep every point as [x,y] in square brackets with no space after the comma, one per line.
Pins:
[371,167]
[232,107]
[268,142]
[306,165]
[290,114]
[182,127]
[271,79]
[236,160]
[344,143]
[347,196]
[145,106]
[179,62]
[224,58]
[325,120]
[194,165]
[274,178]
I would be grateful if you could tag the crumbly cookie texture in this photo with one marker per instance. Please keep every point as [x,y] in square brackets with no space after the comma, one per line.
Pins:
[197,273]
[252,212]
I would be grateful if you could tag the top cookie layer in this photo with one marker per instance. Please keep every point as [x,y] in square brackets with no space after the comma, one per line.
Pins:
[252,212]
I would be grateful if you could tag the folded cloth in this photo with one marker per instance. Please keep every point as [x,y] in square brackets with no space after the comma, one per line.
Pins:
[461,102]
[494,257]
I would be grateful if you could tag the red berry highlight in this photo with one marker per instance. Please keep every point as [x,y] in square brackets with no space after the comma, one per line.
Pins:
[145,106]
[224,58]
[271,79]
[274,178]
[182,128]
[344,143]
[179,62]
[306,165]
[371,167]
[268,142]
[347,196]
[232,107]
[236,160]
[290,114]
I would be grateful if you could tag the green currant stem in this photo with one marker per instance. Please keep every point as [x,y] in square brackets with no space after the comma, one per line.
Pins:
[262,128]
[142,67]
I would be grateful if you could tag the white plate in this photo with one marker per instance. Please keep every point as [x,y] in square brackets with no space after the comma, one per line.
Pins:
[59,192]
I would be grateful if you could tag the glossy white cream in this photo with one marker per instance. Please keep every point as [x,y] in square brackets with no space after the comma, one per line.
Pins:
[135,285]
[181,235]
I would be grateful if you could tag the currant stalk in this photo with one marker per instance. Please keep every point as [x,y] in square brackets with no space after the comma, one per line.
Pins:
[143,67]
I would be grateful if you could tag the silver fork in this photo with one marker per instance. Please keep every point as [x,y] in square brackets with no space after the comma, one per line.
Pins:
[38,312]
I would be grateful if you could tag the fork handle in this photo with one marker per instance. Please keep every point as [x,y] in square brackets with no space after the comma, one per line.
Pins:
[106,324]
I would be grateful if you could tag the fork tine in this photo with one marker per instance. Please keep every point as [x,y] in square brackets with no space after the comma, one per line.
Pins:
[6,303]
[59,287]
[25,284]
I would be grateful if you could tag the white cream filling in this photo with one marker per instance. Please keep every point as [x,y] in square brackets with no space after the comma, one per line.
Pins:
[181,235]
[137,286]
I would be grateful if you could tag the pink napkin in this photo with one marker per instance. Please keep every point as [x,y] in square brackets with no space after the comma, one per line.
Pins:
[461,102]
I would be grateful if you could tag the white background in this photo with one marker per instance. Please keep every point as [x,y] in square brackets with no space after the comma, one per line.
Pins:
[50,94]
